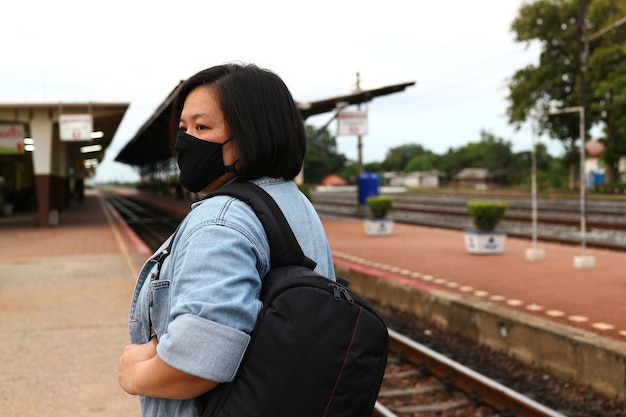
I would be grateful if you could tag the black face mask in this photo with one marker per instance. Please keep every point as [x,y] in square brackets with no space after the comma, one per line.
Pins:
[200,162]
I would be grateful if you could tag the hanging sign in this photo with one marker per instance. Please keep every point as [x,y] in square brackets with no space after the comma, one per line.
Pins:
[74,127]
[11,138]
[352,123]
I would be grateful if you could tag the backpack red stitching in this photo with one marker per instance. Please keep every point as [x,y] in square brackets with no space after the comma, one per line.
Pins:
[345,361]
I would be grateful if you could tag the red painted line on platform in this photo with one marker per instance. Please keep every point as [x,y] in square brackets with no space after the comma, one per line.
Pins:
[377,273]
[139,244]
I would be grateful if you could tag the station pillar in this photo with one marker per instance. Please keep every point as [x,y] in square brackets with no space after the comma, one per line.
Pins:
[41,131]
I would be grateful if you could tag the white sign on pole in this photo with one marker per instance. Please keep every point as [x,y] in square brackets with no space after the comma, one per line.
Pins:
[11,138]
[352,123]
[74,127]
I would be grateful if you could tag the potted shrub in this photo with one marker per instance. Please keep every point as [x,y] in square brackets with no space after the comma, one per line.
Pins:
[486,216]
[379,224]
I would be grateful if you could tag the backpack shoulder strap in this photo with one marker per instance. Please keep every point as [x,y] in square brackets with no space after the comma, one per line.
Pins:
[284,247]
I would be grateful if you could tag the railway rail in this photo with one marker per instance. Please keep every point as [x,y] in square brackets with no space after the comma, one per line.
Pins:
[418,381]
[557,220]
[150,224]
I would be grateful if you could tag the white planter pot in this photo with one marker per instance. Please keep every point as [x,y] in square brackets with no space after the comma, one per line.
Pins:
[378,227]
[484,242]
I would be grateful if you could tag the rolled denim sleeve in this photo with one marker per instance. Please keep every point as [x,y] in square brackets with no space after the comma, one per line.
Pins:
[213,352]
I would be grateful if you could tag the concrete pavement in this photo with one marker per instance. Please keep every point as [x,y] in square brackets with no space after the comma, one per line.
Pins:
[64,298]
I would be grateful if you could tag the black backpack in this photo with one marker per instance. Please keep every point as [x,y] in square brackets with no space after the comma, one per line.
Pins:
[317,348]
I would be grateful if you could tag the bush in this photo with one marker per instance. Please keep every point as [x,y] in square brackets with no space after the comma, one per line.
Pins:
[486,215]
[379,205]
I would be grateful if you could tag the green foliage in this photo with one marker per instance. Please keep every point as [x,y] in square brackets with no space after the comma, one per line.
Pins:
[551,172]
[606,80]
[426,161]
[398,157]
[486,214]
[557,77]
[506,167]
[552,180]
[490,152]
[379,205]
[350,171]
[374,167]
[321,157]
[554,25]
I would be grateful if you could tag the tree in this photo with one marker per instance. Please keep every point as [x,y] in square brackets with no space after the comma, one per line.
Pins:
[553,23]
[350,172]
[398,157]
[551,172]
[490,152]
[321,157]
[606,79]
[426,161]
[555,81]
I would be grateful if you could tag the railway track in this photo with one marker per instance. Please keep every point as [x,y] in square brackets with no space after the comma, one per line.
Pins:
[418,381]
[557,220]
[421,382]
[150,224]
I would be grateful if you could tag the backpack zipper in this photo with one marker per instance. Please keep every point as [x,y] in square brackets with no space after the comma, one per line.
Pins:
[337,291]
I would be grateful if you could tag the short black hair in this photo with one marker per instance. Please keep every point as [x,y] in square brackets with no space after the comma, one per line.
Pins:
[265,122]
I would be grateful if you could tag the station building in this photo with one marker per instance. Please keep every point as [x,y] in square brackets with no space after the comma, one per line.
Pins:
[48,150]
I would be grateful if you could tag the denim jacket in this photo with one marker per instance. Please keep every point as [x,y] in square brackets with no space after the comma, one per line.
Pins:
[206,301]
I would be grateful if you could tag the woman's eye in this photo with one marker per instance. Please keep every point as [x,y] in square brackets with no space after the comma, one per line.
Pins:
[200,127]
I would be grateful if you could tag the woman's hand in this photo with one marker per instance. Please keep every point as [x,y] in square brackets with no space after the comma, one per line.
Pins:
[130,362]
[142,372]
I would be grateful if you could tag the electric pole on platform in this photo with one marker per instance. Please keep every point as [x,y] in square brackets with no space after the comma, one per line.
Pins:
[358,138]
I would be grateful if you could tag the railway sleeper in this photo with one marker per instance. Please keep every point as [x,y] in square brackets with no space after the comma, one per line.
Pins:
[421,389]
[431,408]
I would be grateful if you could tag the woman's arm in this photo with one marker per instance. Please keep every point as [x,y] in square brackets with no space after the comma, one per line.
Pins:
[142,372]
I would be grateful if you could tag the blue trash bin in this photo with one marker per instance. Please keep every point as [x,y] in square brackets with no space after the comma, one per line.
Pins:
[595,178]
[367,183]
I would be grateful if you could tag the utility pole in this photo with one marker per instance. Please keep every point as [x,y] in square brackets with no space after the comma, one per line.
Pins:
[583,261]
[582,50]
[582,91]
[358,139]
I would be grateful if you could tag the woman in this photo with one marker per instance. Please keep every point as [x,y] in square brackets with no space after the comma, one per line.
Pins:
[189,328]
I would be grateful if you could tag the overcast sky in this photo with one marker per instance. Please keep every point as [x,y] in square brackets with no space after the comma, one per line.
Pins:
[460,54]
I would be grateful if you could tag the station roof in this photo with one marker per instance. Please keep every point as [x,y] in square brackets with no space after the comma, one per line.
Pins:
[330,104]
[106,118]
[151,142]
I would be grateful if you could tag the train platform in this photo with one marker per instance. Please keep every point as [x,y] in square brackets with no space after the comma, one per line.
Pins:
[547,313]
[435,258]
[65,293]
[64,299]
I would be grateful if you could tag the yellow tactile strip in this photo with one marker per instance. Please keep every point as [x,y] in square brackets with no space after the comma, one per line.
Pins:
[532,307]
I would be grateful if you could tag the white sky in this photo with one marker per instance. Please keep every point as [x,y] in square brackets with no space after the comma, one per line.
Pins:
[460,54]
